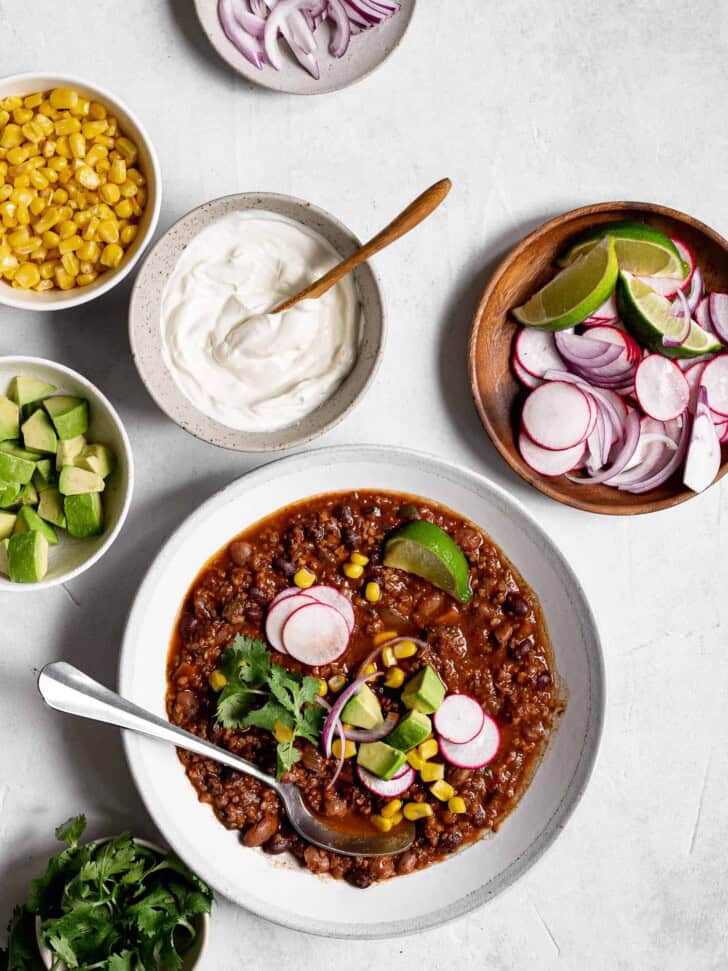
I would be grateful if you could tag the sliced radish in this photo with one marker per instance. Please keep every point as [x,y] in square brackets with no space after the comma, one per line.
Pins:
[694,293]
[715,380]
[390,788]
[661,388]
[459,719]
[723,432]
[693,375]
[613,335]
[608,310]
[279,612]
[718,309]
[284,594]
[477,753]
[523,375]
[702,462]
[332,597]
[557,415]
[315,634]
[546,461]
[702,314]
[536,351]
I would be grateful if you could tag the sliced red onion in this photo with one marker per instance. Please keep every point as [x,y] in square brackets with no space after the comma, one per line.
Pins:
[249,21]
[334,716]
[695,291]
[684,331]
[341,33]
[661,476]
[373,734]
[248,45]
[625,453]
[582,350]
[380,647]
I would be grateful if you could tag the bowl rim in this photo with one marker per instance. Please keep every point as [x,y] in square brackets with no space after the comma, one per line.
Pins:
[30,362]
[10,300]
[577,784]
[543,483]
[303,438]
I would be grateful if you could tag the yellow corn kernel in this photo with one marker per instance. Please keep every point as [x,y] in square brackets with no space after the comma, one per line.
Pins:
[45,124]
[96,154]
[432,771]
[372,592]
[113,125]
[322,688]
[62,149]
[91,129]
[303,578]
[32,100]
[21,197]
[105,142]
[17,155]
[27,276]
[337,682]
[5,192]
[111,256]
[415,760]
[102,166]
[417,810]
[217,680]
[82,218]
[395,678]
[20,236]
[442,790]
[124,146]
[88,178]
[349,749]
[396,819]
[89,251]
[351,570]
[77,144]
[128,234]
[124,210]
[117,172]
[56,164]
[38,180]
[388,658]
[47,269]
[33,132]
[96,111]
[73,242]
[405,649]
[4,117]
[65,127]
[50,239]
[81,108]
[34,162]
[392,808]
[11,102]
[64,280]
[428,749]
[64,213]
[70,264]
[135,176]
[11,136]
[91,228]
[22,116]
[23,216]
[108,232]
[37,205]
[381,823]
[67,229]
[110,193]
[21,182]
[39,255]
[63,98]
[456,805]
[282,732]
[370,669]
[83,279]
[357,558]
[386,635]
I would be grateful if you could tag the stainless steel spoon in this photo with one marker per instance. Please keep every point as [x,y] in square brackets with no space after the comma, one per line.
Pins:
[67,689]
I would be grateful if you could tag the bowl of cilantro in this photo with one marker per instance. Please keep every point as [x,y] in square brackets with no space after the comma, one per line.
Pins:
[118,902]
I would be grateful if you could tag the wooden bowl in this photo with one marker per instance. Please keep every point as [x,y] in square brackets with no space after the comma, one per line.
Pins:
[499,396]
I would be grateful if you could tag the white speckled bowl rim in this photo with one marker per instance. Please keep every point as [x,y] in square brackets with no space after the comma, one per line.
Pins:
[170,799]
[145,332]
[367,51]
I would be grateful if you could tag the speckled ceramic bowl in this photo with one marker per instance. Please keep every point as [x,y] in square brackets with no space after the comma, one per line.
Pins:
[146,333]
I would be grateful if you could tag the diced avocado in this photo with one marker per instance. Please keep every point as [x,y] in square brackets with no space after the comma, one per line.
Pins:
[412,729]
[424,692]
[68,451]
[84,515]
[16,449]
[362,710]
[380,759]
[68,414]
[76,482]
[28,495]
[50,507]
[98,459]
[7,524]
[8,493]
[27,557]
[14,468]
[4,556]
[28,521]
[44,475]
[9,418]
[23,390]
[38,433]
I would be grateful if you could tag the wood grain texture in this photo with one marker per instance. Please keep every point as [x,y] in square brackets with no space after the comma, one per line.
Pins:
[499,396]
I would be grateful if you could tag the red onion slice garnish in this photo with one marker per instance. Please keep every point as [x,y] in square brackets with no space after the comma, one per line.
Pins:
[684,331]
[373,734]
[625,453]
[248,45]
[334,717]
[390,643]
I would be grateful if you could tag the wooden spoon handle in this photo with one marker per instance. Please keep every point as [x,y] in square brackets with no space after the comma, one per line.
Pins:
[412,216]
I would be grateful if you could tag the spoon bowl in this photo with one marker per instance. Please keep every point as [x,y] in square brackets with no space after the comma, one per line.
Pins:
[69,690]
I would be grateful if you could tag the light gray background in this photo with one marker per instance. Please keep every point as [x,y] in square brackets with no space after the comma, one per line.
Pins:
[531,108]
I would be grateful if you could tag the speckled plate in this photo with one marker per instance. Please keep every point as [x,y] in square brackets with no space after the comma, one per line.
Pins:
[366,52]
[277,888]
[145,330]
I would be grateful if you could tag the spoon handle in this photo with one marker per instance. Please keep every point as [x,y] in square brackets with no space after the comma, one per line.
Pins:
[67,689]
[412,216]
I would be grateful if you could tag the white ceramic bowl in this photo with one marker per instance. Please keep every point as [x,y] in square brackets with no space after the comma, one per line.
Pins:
[72,557]
[191,959]
[23,84]
[282,891]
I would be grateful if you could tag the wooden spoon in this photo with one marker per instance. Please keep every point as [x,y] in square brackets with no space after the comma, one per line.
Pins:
[412,216]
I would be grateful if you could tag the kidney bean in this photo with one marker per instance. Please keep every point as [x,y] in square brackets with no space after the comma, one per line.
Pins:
[359,878]
[521,649]
[406,862]
[261,832]
[240,552]
[284,566]
[316,860]
[278,843]
[312,759]
[458,777]
[515,604]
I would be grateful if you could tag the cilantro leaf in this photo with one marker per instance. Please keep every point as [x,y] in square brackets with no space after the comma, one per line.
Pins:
[71,831]
[267,716]
[246,661]
[286,756]
[22,951]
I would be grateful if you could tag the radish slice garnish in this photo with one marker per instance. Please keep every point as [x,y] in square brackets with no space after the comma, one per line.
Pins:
[315,634]
[608,310]
[702,314]
[693,375]
[476,753]
[332,597]
[535,351]
[279,612]
[556,415]
[695,291]
[715,380]
[547,461]
[523,376]
[390,788]
[459,718]
[702,463]
[661,388]
[718,309]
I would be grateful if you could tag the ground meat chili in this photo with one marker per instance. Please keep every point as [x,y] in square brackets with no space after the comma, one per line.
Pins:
[495,648]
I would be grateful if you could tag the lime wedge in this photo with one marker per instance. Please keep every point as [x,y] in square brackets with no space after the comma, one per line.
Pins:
[648,316]
[575,293]
[427,551]
[641,249]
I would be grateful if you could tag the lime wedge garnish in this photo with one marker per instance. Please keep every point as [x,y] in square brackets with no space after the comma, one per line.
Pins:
[427,551]
[649,318]
[575,293]
[641,249]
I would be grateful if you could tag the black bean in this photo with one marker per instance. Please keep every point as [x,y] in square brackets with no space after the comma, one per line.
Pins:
[515,604]
[359,878]
[284,566]
[350,538]
[543,681]
[521,649]
[408,511]
[345,515]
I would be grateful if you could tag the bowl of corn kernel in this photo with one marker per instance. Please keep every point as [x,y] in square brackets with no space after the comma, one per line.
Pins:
[80,191]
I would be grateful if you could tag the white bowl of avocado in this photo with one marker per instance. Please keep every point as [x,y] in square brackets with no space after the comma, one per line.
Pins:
[66,474]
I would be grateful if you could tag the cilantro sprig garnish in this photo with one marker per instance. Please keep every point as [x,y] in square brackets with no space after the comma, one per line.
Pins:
[265,695]
[114,906]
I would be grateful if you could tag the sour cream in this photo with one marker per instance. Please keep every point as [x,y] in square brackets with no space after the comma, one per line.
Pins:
[235,361]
